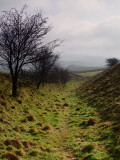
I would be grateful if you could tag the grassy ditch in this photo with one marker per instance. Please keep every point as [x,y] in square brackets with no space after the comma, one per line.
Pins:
[53,123]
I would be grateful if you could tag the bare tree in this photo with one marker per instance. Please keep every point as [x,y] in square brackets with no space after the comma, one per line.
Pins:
[59,74]
[21,36]
[45,62]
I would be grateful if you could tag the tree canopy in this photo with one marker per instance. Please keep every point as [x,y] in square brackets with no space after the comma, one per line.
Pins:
[112,61]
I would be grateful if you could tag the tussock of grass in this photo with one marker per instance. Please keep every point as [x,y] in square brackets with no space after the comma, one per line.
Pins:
[34,153]
[15,142]
[26,144]
[88,148]
[31,118]
[42,132]
[65,104]
[33,131]
[20,153]
[23,129]
[48,128]
[12,156]
[25,120]
[91,121]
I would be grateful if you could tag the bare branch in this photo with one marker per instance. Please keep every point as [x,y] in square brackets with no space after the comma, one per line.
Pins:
[21,35]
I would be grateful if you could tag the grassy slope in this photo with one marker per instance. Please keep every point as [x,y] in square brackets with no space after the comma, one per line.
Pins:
[52,123]
[103,93]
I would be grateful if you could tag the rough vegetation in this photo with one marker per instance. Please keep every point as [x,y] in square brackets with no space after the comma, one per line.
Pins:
[60,122]
[103,93]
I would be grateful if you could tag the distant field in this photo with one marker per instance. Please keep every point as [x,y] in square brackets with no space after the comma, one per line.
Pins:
[89,73]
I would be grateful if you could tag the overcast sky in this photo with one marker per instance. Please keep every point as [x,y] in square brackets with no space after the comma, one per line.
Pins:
[89,27]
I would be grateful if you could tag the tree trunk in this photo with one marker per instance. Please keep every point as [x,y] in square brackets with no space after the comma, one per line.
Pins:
[14,87]
[38,85]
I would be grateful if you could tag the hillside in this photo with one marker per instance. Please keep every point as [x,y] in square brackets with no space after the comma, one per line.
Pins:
[104,90]
[103,93]
[74,68]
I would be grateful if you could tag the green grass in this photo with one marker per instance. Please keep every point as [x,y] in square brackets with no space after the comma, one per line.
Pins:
[89,73]
[58,128]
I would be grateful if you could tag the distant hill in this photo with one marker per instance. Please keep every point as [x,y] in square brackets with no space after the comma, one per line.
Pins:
[86,63]
[82,60]
[74,68]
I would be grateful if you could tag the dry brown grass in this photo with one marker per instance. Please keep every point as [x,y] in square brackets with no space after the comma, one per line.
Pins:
[21,153]
[91,121]
[31,118]
[48,128]
[12,156]
[15,142]
[26,144]
[25,120]
[17,129]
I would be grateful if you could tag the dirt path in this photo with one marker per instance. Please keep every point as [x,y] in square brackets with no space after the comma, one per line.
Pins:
[60,133]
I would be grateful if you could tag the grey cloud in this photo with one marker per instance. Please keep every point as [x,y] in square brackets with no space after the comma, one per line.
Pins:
[89,27]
